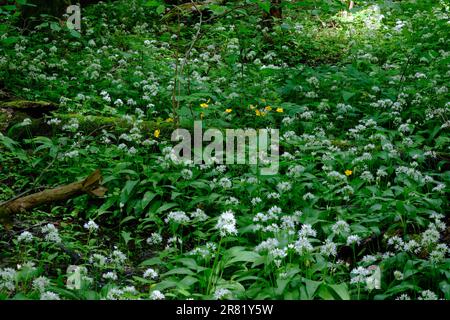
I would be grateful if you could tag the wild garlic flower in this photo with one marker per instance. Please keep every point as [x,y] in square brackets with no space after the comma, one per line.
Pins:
[227,224]
[25,237]
[91,226]
[150,274]
[157,295]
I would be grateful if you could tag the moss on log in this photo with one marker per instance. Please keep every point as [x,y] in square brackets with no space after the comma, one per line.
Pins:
[39,106]
[15,111]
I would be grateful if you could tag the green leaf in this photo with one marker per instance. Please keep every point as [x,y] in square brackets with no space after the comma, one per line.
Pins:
[55,26]
[324,293]
[243,256]
[10,40]
[151,262]
[126,219]
[75,33]
[127,190]
[347,95]
[166,206]
[311,287]
[217,9]
[179,271]
[126,236]
[265,5]
[160,9]
[341,290]
[148,197]
[153,3]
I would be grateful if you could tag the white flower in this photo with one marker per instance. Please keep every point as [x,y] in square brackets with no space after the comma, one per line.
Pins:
[177,217]
[132,151]
[157,295]
[8,279]
[227,224]
[308,196]
[130,290]
[98,260]
[340,227]
[118,257]
[428,295]
[118,102]
[437,256]
[430,237]
[268,245]
[398,275]
[359,275]
[328,248]
[396,242]
[353,239]
[439,188]
[367,176]
[114,294]
[54,121]
[307,231]
[221,293]
[256,201]
[48,295]
[199,215]
[51,233]
[150,273]
[412,246]
[232,201]
[154,239]
[369,259]
[284,186]
[273,195]
[186,174]
[110,276]
[225,183]
[26,122]
[25,237]
[303,246]
[41,283]
[91,226]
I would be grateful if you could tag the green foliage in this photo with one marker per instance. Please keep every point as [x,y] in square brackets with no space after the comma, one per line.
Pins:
[358,210]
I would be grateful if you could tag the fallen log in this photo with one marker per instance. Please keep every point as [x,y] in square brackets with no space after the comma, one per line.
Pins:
[91,185]
[15,111]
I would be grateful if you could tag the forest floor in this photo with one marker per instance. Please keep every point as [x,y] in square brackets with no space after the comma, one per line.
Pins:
[358,208]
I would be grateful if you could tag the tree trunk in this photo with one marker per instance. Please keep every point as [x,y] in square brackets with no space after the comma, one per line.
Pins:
[275,9]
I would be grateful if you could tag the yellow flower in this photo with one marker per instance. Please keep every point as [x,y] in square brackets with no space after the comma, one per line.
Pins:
[348,172]
[268,108]
[156,133]
[169,120]
[259,113]
[280,110]
[228,110]
[204,105]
